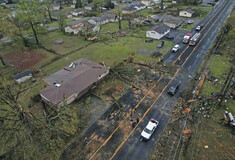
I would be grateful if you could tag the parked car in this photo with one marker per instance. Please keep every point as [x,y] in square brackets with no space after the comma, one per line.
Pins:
[199,27]
[146,22]
[190,22]
[149,129]
[172,90]
[160,44]
[175,48]
[149,41]
[169,36]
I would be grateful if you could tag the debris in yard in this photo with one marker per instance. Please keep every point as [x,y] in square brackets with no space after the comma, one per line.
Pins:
[121,33]
[186,110]
[206,146]
[229,119]
[23,76]
[59,41]
[186,131]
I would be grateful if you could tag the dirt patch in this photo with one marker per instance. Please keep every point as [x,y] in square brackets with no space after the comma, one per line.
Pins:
[22,60]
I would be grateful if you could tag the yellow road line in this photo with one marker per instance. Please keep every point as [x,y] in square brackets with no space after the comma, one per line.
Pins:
[110,136]
[158,96]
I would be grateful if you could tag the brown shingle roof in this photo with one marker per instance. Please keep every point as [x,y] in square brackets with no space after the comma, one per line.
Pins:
[73,80]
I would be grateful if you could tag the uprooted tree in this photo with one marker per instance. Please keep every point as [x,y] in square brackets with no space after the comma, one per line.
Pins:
[25,135]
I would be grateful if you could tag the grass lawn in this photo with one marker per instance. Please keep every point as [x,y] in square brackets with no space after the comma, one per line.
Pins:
[209,88]
[110,54]
[70,42]
[219,66]
[187,27]
[113,27]
[145,12]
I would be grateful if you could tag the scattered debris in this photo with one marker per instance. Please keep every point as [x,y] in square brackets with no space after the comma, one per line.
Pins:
[59,41]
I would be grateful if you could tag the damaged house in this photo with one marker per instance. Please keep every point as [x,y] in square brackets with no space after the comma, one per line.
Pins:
[72,82]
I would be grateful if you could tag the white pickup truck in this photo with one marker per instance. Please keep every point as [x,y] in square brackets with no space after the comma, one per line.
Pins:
[149,129]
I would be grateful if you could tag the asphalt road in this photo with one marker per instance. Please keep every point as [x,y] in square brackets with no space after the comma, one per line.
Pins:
[134,149]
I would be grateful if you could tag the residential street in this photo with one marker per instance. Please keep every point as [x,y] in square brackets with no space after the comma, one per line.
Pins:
[191,58]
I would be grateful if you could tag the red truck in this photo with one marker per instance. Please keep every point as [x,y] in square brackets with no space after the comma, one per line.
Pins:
[187,38]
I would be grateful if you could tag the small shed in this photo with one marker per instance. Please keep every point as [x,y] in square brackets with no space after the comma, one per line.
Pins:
[187,13]
[23,76]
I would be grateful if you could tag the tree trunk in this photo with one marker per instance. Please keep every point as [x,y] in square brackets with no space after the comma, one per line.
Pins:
[3,63]
[119,20]
[161,4]
[49,13]
[34,33]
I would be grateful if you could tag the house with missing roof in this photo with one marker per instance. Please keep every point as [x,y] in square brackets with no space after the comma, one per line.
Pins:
[173,23]
[72,82]
[187,13]
[74,29]
[157,32]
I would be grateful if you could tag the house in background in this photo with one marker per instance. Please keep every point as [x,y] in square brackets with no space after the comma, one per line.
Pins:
[79,12]
[90,7]
[72,82]
[157,32]
[55,14]
[147,2]
[23,76]
[106,18]
[173,23]
[187,13]
[140,6]
[129,10]
[55,7]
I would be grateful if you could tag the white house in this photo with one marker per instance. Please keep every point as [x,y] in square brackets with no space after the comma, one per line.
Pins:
[157,32]
[186,13]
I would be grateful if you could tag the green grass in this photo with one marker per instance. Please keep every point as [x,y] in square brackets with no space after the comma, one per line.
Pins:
[70,42]
[113,27]
[110,54]
[219,66]
[209,88]
[187,27]
[145,12]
